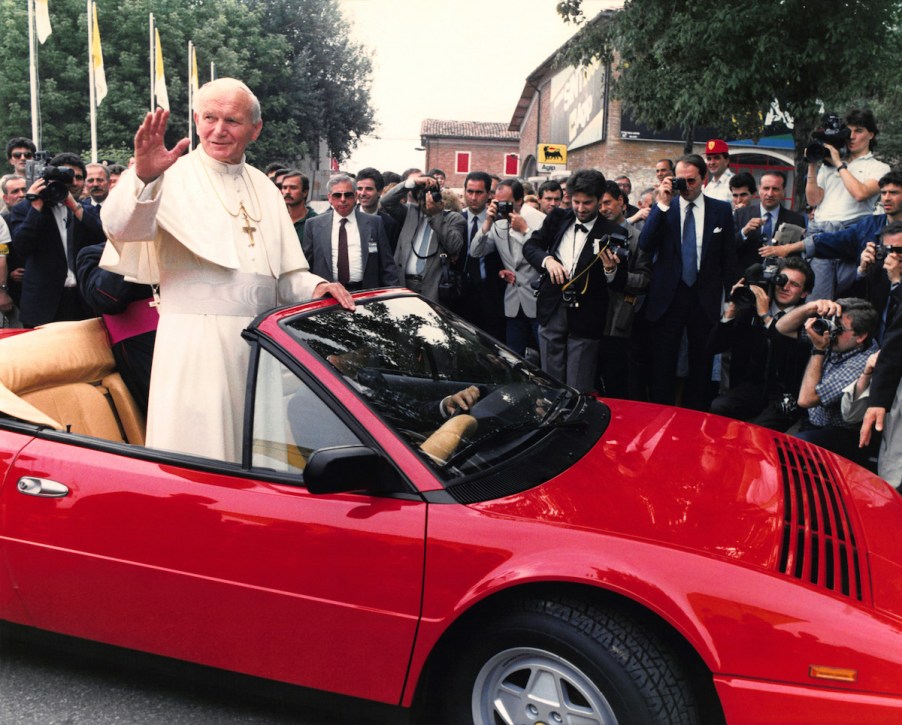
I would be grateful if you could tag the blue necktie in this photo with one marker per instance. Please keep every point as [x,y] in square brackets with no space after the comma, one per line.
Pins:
[768,232]
[690,257]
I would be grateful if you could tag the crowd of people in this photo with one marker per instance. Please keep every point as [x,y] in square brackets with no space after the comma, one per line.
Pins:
[708,292]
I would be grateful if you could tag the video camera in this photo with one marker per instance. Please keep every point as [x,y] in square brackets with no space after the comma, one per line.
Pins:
[766,276]
[57,179]
[834,132]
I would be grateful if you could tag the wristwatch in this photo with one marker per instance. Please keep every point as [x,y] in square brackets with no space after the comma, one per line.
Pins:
[4,287]
[818,351]
[842,166]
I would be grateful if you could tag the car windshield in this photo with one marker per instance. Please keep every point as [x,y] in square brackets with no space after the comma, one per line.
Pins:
[418,365]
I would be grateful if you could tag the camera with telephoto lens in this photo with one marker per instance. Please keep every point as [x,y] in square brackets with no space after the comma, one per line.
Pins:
[57,179]
[766,276]
[678,184]
[829,326]
[833,132]
[504,209]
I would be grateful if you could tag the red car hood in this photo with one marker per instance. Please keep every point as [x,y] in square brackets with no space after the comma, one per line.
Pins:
[720,487]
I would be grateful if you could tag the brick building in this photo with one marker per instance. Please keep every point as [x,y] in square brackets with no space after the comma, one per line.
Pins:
[572,107]
[459,147]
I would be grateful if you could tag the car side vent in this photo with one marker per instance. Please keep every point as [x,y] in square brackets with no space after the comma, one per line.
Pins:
[818,540]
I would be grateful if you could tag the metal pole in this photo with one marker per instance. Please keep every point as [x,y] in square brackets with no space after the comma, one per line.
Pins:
[33,77]
[92,93]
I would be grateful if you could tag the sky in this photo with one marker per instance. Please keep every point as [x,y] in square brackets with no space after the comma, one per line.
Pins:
[456,61]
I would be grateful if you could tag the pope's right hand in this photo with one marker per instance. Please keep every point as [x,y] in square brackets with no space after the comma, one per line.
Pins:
[152,157]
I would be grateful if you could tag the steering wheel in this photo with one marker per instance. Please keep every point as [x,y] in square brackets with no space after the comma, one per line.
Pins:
[445,440]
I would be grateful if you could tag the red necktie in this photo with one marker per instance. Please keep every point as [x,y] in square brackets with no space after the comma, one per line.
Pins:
[344,267]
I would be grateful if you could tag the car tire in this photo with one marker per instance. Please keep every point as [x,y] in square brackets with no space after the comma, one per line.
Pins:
[562,660]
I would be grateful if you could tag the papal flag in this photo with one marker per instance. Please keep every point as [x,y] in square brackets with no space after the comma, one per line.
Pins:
[162,97]
[42,20]
[195,83]
[100,89]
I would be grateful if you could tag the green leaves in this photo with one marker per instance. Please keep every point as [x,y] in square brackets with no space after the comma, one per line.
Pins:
[311,81]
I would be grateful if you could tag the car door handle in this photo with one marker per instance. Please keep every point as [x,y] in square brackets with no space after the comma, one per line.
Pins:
[42,487]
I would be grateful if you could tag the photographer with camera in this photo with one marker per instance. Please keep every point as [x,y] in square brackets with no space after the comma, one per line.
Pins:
[570,250]
[841,335]
[767,367]
[427,233]
[508,225]
[849,245]
[845,186]
[49,227]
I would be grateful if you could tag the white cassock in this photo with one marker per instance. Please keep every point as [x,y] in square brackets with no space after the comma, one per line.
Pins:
[213,281]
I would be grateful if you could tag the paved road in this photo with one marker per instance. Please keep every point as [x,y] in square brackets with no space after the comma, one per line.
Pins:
[59,683]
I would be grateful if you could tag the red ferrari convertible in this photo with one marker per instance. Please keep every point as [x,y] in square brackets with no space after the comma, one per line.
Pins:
[540,557]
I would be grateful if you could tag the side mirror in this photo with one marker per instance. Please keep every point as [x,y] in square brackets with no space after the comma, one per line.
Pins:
[349,468]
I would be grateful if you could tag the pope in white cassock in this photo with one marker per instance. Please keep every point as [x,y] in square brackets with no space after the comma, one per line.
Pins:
[215,234]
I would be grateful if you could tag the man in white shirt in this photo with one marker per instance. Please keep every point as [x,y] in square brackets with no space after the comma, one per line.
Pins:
[717,157]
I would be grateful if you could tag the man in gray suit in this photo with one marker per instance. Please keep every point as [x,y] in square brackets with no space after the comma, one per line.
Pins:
[427,232]
[348,245]
[506,233]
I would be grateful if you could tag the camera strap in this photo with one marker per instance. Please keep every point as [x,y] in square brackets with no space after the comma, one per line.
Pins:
[584,272]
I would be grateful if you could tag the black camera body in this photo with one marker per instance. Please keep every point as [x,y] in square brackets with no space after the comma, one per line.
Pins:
[829,326]
[765,276]
[504,209]
[678,184]
[570,298]
[420,194]
[618,244]
[58,181]
[833,132]
[880,252]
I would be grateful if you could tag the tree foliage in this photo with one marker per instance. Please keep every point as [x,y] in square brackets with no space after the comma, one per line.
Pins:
[310,85]
[708,63]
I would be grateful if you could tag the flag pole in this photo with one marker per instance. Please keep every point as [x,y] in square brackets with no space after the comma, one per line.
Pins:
[190,97]
[153,67]
[33,76]
[92,93]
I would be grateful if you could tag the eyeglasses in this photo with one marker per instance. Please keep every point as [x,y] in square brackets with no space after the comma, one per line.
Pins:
[343,194]
[22,155]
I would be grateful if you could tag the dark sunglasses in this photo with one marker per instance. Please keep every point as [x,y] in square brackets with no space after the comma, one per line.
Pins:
[893,250]
[22,154]
[343,194]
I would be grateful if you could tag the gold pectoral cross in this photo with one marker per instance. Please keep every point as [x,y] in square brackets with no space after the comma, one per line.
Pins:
[247,228]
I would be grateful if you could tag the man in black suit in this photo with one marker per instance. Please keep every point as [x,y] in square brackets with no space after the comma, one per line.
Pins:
[756,224]
[482,301]
[692,239]
[347,245]
[47,237]
[573,293]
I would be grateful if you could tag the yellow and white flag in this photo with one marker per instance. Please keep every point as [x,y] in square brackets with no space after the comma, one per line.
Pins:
[42,20]
[162,97]
[195,83]
[100,89]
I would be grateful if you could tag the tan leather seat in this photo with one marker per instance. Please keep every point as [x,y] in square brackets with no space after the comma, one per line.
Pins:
[62,375]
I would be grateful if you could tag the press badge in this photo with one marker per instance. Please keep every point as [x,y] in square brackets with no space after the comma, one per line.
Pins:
[372,247]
